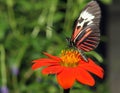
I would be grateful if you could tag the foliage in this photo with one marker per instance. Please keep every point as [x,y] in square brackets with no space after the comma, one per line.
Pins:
[27,28]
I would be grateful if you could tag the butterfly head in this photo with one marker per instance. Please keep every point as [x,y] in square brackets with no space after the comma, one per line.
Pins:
[70,43]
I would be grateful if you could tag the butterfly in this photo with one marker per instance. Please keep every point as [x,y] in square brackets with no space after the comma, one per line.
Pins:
[86,34]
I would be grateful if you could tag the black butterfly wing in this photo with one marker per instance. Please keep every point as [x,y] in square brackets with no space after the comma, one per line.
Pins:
[92,12]
[87,27]
[88,39]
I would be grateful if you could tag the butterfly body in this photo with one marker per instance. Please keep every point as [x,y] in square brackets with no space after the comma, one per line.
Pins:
[86,34]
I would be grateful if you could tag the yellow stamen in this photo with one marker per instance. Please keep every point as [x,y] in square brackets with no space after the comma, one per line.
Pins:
[70,58]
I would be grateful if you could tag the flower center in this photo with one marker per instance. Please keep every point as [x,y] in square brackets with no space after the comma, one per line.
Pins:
[70,58]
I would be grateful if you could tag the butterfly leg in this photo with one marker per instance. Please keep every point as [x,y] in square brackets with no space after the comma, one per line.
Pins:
[83,55]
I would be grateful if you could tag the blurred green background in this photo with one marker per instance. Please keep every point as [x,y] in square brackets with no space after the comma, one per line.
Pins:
[30,27]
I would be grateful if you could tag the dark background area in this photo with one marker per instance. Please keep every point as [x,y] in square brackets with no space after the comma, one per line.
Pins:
[113,50]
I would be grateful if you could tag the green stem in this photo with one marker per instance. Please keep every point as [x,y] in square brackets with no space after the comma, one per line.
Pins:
[51,9]
[67,90]
[11,16]
[15,85]
[68,21]
[3,66]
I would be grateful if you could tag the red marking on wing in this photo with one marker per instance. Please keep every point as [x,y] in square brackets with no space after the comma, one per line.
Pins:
[83,48]
[92,45]
[76,32]
[86,47]
[89,40]
[88,31]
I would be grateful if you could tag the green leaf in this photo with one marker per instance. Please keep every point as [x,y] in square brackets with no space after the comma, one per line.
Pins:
[96,55]
[107,1]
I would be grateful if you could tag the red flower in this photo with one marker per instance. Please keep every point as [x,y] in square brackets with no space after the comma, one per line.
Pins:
[69,67]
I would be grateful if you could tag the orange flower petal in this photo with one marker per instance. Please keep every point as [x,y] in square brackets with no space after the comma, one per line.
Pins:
[91,62]
[38,65]
[84,77]
[43,62]
[94,70]
[52,69]
[52,57]
[66,78]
